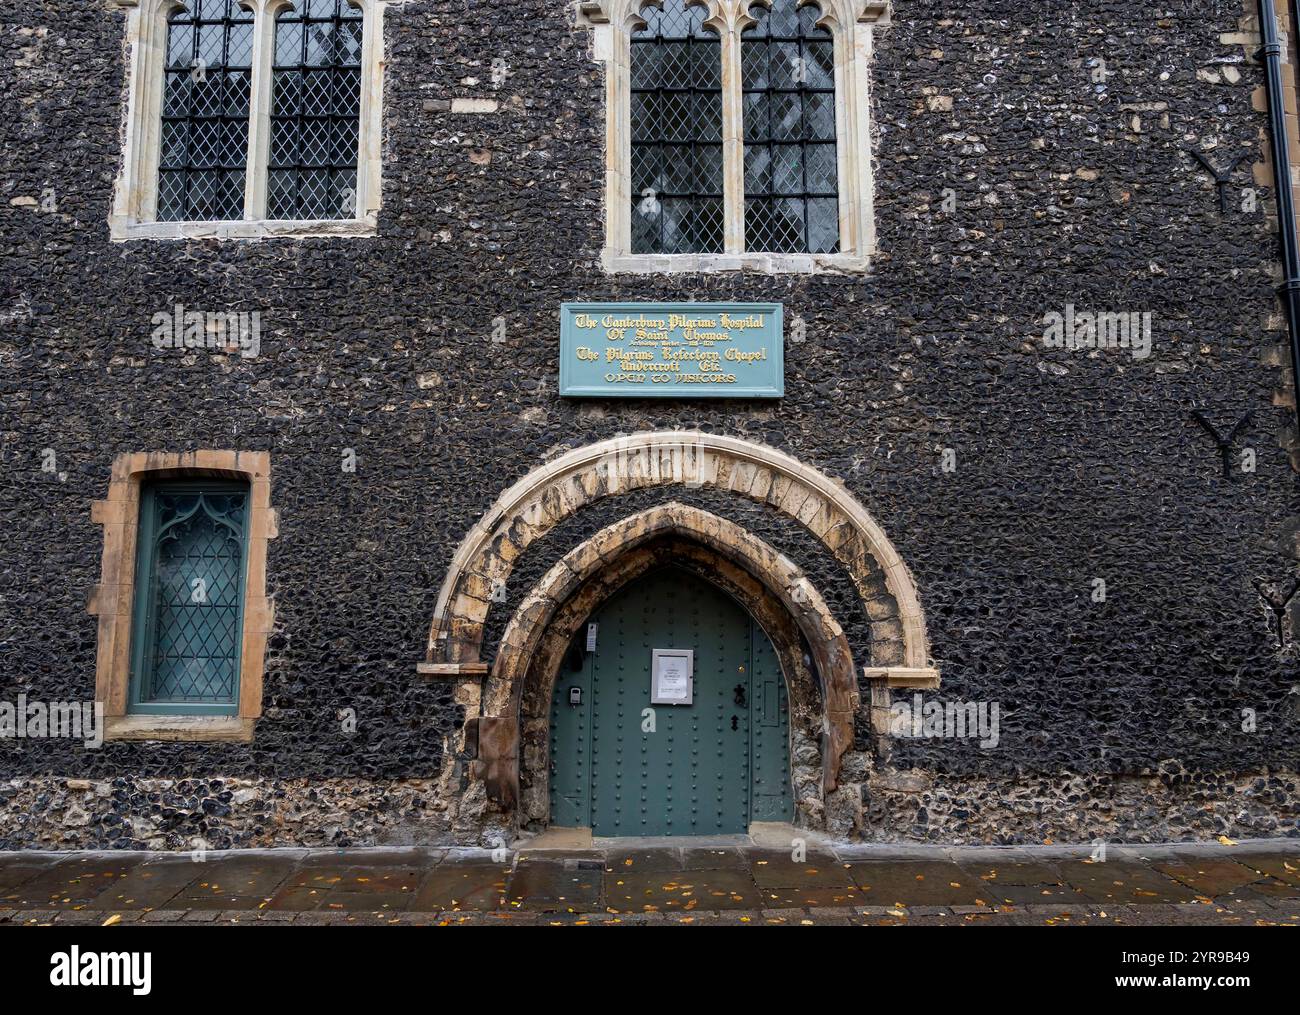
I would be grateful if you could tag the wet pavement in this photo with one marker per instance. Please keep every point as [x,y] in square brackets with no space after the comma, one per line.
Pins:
[1250,883]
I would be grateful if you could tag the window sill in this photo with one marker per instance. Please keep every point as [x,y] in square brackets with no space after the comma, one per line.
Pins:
[761,264]
[122,231]
[198,728]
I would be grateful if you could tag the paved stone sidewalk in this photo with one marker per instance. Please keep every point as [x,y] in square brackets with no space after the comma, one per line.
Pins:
[1252,883]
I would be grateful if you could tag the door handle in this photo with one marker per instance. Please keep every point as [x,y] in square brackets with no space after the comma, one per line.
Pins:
[740,695]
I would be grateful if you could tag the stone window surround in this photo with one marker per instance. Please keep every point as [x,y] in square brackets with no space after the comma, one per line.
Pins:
[113,599]
[135,195]
[851,23]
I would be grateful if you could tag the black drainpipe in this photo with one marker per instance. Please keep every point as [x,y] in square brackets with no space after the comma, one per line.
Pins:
[1286,221]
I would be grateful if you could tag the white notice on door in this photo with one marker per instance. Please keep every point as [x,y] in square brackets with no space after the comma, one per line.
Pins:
[674,681]
[671,678]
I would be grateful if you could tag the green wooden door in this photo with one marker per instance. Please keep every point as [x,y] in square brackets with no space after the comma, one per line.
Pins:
[626,767]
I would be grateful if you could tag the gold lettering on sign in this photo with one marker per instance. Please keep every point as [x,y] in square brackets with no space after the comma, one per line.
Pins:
[676,349]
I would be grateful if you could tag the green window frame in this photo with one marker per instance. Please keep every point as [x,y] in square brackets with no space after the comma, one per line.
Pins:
[188,623]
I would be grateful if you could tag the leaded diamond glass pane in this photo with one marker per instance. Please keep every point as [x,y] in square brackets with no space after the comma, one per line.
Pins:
[194,586]
[206,87]
[676,112]
[823,217]
[171,187]
[239,47]
[180,44]
[347,96]
[686,225]
[819,116]
[288,42]
[349,41]
[791,170]
[820,167]
[173,149]
[176,99]
[315,111]
[212,41]
[238,93]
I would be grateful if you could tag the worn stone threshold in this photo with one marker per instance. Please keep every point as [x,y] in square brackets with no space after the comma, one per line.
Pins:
[763,835]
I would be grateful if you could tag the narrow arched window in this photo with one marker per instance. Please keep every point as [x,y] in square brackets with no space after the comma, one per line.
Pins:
[315,111]
[788,73]
[188,631]
[207,88]
[184,617]
[676,118]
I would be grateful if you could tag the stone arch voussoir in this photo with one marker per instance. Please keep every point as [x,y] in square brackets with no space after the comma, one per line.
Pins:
[546,496]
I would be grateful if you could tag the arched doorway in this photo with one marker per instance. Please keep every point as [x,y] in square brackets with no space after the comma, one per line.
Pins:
[670,716]
[496,776]
[512,733]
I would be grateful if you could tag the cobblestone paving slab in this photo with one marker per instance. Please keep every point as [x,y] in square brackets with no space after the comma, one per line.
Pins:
[685,891]
[1020,882]
[15,875]
[149,886]
[1283,867]
[1120,881]
[644,860]
[779,870]
[555,888]
[712,858]
[812,895]
[1023,872]
[1268,890]
[74,882]
[1222,881]
[233,876]
[921,883]
[464,885]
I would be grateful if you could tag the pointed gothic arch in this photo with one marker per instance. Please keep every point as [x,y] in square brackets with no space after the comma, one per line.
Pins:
[547,495]
[814,655]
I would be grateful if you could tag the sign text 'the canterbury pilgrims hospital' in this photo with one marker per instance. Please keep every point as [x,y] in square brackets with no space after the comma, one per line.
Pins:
[671,350]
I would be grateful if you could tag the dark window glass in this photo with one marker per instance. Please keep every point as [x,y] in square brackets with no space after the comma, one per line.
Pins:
[204,143]
[189,598]
[676,133]
[788,75]
[315,111]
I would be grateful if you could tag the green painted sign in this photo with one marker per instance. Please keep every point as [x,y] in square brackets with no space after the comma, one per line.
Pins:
[672,350]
